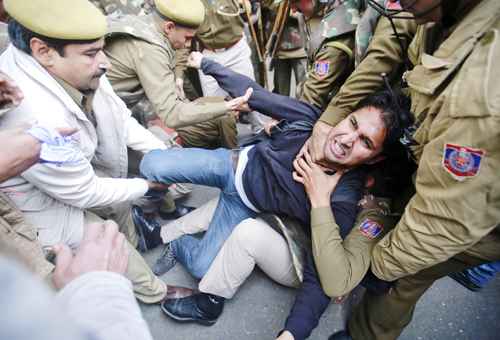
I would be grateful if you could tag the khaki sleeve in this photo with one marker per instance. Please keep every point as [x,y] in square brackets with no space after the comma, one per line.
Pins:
[384,55]
[447,215]
[331,66]
[156,76]
[342,264]
[181,57]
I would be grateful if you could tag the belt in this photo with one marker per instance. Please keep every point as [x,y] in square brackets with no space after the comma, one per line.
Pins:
[235,157]
[225,48]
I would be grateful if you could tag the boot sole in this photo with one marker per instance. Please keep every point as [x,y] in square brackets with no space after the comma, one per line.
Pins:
[186,320]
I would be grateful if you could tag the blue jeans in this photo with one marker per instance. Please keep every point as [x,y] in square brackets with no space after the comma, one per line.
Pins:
[205,167]
[482,274]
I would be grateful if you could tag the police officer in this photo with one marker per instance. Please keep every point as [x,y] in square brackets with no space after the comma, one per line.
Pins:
[452,221]
[291,54]
[222,38]
[331,27]
[142,53]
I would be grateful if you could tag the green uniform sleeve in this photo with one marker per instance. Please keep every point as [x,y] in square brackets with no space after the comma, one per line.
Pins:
[342,264]
[157,78]
[332,65]
[384,55]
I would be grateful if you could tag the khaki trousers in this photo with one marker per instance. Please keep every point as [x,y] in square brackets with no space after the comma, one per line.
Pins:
[147,287]
[384,317]
[251,243]
[216,133]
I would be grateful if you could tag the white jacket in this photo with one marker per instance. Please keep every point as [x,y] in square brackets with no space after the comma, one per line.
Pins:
[54,196]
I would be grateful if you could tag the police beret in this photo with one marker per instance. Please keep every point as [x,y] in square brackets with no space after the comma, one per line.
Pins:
[184,12]
[59,19]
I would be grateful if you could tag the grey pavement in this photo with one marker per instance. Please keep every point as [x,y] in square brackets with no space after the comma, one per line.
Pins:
[259,309]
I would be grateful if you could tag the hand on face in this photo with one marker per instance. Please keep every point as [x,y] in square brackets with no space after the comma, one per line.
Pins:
[317,183]
[103,248]
[315,145]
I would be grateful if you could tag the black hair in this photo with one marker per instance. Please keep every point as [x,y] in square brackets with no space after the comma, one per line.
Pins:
[21,37]
[394,172]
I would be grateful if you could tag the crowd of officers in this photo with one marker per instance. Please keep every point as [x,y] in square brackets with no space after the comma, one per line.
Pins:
[441,53]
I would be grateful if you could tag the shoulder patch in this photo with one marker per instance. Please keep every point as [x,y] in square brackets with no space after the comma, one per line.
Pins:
[462,162]
[322,67]
[370,228]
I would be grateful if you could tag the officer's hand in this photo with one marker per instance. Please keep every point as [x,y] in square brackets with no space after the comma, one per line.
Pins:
[317,183]
[179,88]
[10,94]
[317,141]
[103,248]
[241,103]
[23,150]
[194,60]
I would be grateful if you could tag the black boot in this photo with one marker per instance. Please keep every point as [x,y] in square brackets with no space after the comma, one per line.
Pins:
[202,308]
[148,230]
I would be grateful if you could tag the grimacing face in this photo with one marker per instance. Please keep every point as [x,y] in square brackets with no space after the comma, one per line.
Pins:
[82,65]
[357,139]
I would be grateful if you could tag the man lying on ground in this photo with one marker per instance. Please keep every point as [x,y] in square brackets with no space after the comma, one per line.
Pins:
[259,178]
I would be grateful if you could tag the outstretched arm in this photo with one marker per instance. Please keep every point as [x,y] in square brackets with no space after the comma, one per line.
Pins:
[271,104]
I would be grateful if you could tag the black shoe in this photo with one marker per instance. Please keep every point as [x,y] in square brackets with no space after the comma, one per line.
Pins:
[341,335]
[165,262]
[180,210]
[148,230]
[202,308]
[465,281]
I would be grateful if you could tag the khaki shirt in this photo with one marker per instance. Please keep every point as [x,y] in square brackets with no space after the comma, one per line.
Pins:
[384,55]
[144,69]
[22,238]
[333,63]
[219,30]
[456,99]
[342,264]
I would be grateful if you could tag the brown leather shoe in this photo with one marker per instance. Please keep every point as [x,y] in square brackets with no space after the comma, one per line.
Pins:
[174,292]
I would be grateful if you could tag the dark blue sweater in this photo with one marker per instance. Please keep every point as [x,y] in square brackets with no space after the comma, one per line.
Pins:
[267,179]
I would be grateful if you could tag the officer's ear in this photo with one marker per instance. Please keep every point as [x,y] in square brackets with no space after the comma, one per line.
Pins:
[44,54]
[168,27]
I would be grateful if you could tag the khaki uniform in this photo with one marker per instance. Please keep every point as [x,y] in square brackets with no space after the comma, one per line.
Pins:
[219,30]
[21,236]
[452,222]
[290,57]
[342,264]
[332,52]
[143,66]
[384,55]
[333,63]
